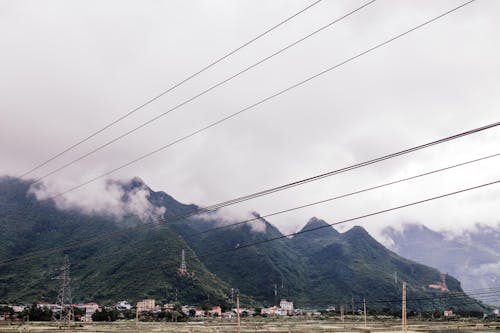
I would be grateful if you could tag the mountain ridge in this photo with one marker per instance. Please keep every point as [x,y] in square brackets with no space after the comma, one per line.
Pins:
[312,268]
[473,257]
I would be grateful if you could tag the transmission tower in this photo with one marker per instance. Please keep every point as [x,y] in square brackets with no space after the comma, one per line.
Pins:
[275,294]
[65,314]
[183,268]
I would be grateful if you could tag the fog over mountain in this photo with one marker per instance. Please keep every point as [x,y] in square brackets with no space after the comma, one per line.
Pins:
[319,267]
[71,67]
[473,256]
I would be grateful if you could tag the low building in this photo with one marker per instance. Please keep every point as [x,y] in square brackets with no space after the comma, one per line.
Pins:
[122,306]
[272,311]
[18,308]
[41,305]
[146,305]
[216,311]
[186,309]
[169,307]
[448,313]
[52,307]
[286,305]
[90,309]
[228,315]
[199,313]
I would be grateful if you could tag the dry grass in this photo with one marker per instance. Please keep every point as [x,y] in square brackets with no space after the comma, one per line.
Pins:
[270,325]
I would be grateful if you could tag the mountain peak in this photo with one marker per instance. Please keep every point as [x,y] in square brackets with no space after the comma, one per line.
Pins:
[132,184]
[315,235]
[315,223]
[358,230]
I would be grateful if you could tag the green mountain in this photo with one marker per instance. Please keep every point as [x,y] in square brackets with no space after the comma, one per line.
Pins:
[253,270]
[354,265]
[139,258]
[131,265]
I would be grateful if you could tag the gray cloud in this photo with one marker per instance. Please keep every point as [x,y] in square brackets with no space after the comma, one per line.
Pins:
[68,68]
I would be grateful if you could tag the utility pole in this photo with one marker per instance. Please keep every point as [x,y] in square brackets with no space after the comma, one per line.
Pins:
[364,309]
[238,311]
[403,311]
[352,300]
[342,313]
[136,318]
[65,316]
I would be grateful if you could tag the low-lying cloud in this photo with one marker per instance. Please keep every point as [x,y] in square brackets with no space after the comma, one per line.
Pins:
[226,217]
[109,198]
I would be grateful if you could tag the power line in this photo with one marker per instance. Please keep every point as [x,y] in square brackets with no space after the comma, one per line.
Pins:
[314,178]
[262,101]
[360,217]
[227,55]
[168,221]
[350,193]
[217,206]
[152,120]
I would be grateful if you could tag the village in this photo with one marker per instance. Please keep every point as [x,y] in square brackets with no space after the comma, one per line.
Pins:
[145,310]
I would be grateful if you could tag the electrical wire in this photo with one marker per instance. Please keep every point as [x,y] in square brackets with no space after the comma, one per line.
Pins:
[262,101]
[183,216]
[327,225]
[227,55]
[112,141]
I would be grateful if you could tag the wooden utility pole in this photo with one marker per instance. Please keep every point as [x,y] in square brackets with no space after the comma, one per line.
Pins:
[352,300]
[136,318]
[238,311]
[403,310]
[353,313]
[364,309]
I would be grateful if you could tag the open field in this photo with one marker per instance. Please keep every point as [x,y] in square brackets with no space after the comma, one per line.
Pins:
[270,325]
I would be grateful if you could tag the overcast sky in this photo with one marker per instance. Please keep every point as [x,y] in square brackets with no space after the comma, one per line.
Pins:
[69,67]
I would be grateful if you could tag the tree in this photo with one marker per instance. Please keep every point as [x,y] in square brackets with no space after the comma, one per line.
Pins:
[36,313]
[104,315]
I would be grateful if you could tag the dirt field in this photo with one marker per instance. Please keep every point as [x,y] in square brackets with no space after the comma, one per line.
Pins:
[270,325]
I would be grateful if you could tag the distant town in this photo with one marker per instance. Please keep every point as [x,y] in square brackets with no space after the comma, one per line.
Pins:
[150,310]
[147,309]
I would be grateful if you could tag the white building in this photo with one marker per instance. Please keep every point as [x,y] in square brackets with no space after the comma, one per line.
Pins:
[123,305]
[18,308]
[285,305]
[448,313]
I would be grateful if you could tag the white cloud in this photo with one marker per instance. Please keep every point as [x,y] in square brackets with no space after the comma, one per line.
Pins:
[225,217]
[71,67]
[108,198]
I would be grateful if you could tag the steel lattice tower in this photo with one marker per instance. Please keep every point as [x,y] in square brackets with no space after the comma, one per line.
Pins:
[183,268]
[64,300]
